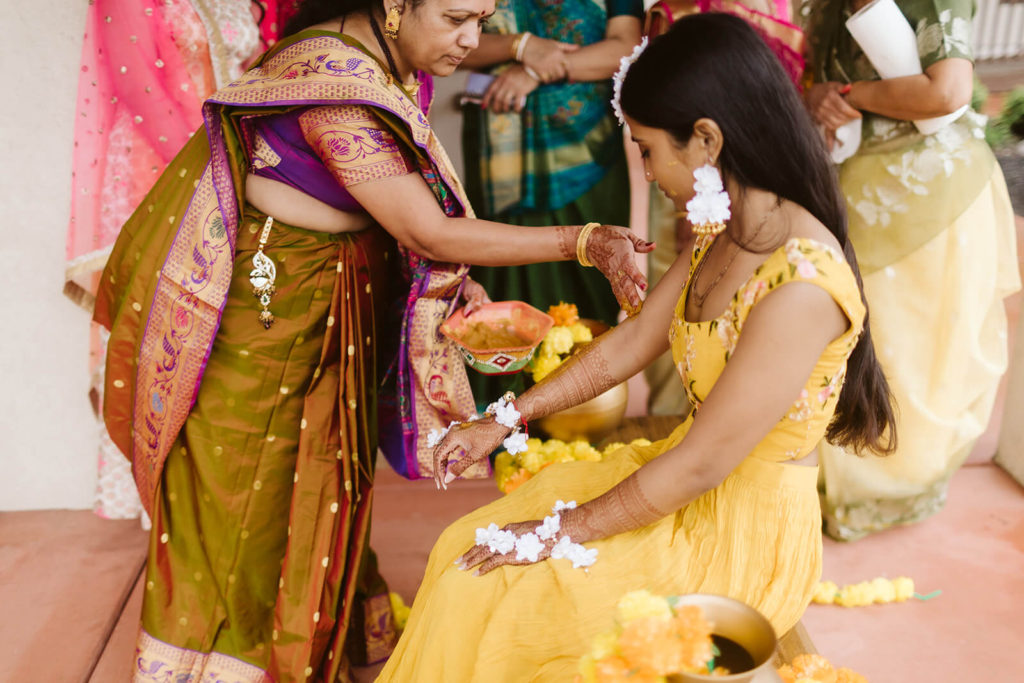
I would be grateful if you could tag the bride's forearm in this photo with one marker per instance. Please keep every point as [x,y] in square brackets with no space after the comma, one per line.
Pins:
[579,379]
[624,507]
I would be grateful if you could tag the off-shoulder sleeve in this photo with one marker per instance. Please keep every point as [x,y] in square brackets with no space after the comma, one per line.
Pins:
[943,28]
[354,144]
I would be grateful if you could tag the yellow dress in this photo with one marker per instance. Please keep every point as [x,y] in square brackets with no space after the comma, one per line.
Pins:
[755,537]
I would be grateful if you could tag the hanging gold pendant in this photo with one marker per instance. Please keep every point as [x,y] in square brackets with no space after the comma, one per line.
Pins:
[262,276]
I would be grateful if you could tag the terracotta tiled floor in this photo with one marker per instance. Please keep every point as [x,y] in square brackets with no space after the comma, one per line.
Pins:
[70,595]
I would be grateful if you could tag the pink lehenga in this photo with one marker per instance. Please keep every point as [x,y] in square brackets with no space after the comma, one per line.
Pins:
[146,68]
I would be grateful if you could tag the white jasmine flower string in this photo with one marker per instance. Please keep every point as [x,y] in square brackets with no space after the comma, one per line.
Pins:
[620,76]
[531,544]
[528,547]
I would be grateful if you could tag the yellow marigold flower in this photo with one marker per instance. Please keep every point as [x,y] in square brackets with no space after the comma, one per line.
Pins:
[807,680]
[503,462]
[855,595]
[581,450]
[535,461]
[581,334]
[618,670]
[544,366]
[884,590]
[399,610]
[564,314]
[641,603]
[553,446]
[640,443]
[604,645]
[612,447]
[904,588]
[557,341]
[825,593]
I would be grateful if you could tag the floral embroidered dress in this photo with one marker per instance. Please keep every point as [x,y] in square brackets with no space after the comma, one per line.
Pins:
[756,537]
[932,225]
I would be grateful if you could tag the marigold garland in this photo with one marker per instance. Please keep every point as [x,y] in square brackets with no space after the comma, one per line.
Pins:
[512,471]
[876,591]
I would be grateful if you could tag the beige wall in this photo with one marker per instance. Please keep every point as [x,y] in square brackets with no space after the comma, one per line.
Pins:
[47,434]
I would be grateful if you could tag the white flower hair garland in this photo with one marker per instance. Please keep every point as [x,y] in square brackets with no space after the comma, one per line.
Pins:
[620,76]
[529,545]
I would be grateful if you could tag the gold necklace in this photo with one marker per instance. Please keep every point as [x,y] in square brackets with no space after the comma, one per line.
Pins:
[698,297]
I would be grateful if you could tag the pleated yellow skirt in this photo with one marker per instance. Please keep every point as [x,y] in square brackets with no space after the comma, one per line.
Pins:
[756,537]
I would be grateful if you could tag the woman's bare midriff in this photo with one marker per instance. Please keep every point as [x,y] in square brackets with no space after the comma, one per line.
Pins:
[297,208]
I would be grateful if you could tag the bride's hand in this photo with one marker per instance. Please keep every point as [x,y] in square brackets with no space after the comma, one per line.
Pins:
[487,559]
[475,296]
[465,445]
[611,249]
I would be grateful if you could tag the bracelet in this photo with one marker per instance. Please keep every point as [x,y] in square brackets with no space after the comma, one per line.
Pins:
[845,90]
[518,38]
[532,74]
[520,46]
[581,244]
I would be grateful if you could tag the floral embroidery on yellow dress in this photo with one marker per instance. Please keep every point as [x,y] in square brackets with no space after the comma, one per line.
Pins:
[799,259]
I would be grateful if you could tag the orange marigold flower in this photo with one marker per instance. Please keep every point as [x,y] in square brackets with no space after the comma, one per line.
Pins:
[668,645]
[564,314]
[845,675]
[516,480]
[814,666]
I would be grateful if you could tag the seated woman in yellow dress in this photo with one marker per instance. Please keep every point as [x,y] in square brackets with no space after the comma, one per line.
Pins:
[765,321]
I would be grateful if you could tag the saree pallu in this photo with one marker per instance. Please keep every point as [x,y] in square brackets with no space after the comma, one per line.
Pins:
[259,558]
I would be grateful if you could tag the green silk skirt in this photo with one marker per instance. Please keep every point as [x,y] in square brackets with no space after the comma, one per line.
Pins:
[259,566]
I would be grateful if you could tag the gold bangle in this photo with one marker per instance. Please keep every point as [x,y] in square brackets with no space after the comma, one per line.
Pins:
[515,45]
[581,244]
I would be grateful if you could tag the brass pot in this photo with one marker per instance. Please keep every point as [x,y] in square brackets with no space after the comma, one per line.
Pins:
[593,420]
[590,421]
[743,625]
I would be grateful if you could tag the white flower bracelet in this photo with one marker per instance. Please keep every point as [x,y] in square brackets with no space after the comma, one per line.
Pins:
[504,413]
[529,545]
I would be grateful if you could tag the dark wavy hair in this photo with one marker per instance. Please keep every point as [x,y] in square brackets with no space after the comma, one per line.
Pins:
[312,12]
[716,66]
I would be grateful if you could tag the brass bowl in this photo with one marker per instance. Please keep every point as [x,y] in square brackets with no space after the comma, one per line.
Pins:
[741,624]
[593,420]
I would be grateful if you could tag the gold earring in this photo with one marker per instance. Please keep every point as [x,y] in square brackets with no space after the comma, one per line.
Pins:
[392,22]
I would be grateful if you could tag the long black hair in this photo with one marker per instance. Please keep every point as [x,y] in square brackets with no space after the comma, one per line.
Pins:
[716,66]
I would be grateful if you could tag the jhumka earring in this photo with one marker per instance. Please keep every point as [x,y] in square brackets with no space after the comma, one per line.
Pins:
[709,209]
[392,22]
[262,276]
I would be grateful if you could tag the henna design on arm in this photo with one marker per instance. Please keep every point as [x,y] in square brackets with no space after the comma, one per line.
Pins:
[579,379]
[622,508]
[567,236]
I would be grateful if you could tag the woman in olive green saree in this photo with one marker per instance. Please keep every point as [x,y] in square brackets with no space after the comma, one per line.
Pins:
[265,321]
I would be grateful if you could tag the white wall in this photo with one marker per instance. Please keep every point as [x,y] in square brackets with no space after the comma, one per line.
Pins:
[48,437]
[48,440]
